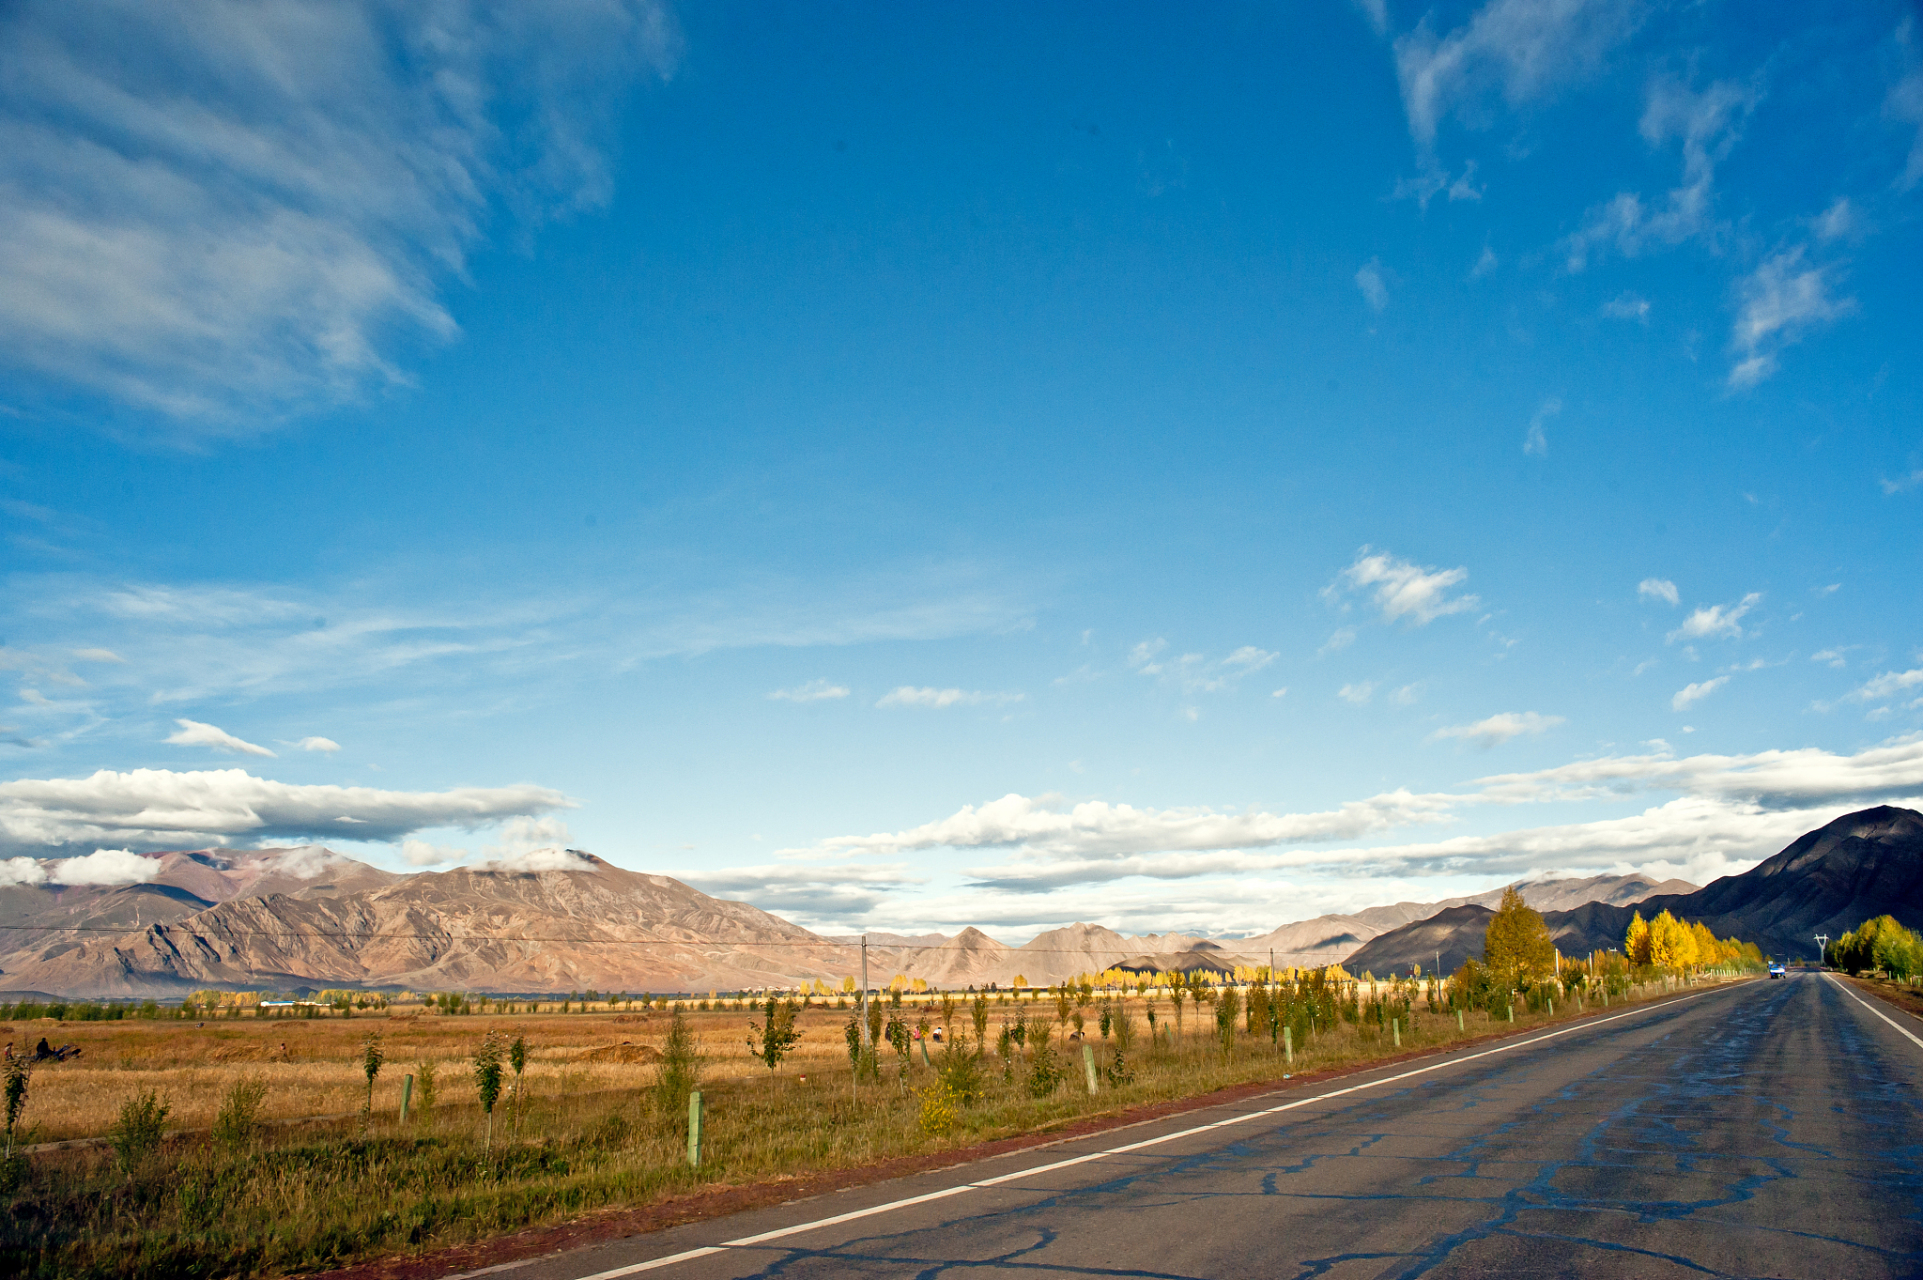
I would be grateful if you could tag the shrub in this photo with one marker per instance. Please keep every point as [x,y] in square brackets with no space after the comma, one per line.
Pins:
[238,1122]
[19,1072]
[960,1073]
[680,1072]
[425,1073]
[138,1130]
[1122,1024]
[1045,1073]
[940,1109]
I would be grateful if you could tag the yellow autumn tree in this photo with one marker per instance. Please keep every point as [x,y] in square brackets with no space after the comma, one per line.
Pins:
[1517,947]
[1636,941]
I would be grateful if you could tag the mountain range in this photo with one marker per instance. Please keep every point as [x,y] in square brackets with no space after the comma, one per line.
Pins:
[308,917]
[557,921]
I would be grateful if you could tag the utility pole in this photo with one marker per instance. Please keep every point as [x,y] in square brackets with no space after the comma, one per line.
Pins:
[1822,949]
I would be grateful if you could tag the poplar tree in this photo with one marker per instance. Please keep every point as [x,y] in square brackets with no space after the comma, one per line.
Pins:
[1517,946]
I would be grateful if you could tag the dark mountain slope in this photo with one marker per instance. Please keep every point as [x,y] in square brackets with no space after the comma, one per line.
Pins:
[1864,864]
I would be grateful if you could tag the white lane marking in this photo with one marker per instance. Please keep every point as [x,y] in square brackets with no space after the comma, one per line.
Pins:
[1873,1009]
[657,1262]
[778,1233]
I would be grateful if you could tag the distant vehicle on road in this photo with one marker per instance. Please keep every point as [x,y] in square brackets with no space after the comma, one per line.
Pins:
[1775,969]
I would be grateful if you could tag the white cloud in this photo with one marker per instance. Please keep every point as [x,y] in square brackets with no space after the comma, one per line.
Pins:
[1708,125]
[1536,442]
[1905,104]
[1887,685]
[1249,658]
[98,655]
[1194,673]
[1375,290]
[105,868]
[195,734]
[1781,301]
[1377,12]
[1834,657]
[1730,812]
[1495,730]
[1709,622]
[1339,639]
[21,871]
[910,696]
[247,207]
[538,860]
[1485,263]
[1403,589]
[1836,221]
[1627,306]
[1408,695]
[527,833]
[1522,49]
[160,809]
[1901,483]
[1691,694]
[1357,694]
[327,745]
[813,691]
[1659,589]
[1098,827]
[420,853]
[1433,181]
[435,629]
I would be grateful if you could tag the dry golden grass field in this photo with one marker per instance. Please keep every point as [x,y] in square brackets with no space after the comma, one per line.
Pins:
[312,1066]
[317,1184]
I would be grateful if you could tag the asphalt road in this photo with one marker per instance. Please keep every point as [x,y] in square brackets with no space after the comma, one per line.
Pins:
[1772,1128]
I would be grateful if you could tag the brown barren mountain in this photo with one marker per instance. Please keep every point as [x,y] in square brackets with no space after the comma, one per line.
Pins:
[307,917]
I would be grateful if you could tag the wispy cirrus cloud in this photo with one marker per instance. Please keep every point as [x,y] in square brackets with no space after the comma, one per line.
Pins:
[1780,302]
[222,212]
[1521,50]
[1707,124]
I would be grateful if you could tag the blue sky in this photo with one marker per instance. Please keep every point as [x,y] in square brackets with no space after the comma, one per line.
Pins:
[1003,466]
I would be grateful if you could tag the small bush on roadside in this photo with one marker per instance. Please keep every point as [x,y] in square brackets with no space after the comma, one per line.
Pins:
[238,1122]
[1045,1072]
[138,1131]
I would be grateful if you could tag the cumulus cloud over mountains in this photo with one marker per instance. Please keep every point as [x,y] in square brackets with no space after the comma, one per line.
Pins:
[160,808]
[1731,808]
